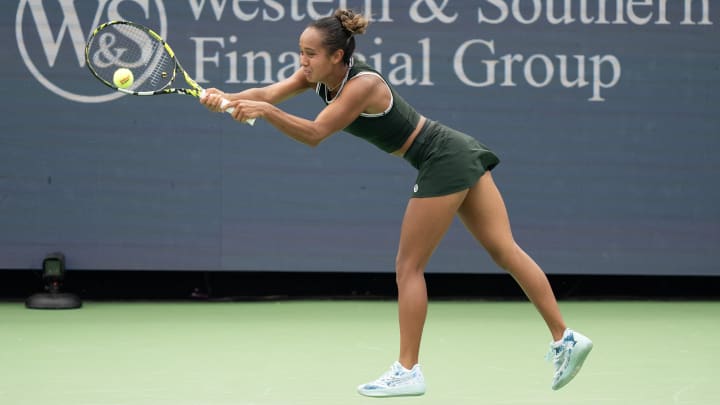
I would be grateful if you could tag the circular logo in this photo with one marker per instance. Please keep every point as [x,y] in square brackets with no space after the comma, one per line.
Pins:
[51,40]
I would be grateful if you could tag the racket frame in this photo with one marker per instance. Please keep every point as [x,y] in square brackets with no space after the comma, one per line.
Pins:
[195,90]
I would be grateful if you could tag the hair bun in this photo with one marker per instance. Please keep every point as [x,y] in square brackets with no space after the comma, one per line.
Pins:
[354,23]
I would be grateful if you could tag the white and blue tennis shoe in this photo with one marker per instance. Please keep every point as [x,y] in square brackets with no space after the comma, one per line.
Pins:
[396,382]
[568,355]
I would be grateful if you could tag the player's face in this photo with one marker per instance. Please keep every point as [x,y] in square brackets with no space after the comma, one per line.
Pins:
[314,58]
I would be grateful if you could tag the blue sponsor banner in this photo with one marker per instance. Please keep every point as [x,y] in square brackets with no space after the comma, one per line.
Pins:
[604,114]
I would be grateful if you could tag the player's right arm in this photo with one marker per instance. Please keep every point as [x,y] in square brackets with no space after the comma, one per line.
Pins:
[274,93]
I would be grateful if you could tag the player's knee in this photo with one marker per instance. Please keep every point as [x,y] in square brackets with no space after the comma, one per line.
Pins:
[504,255]
[406,270]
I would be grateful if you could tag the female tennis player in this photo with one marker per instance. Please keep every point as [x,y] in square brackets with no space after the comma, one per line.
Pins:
[453,178]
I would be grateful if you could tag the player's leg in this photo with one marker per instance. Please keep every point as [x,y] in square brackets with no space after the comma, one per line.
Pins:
[425,222]
[484,214]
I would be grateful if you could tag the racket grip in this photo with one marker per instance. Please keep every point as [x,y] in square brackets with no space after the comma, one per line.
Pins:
[224,103]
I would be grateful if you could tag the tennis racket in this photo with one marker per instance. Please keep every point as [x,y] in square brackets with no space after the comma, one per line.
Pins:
[123,44]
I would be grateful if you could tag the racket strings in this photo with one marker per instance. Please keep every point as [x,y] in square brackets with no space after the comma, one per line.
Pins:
[162,71]
[127,46]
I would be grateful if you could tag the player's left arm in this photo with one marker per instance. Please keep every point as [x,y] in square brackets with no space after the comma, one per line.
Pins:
[274,93]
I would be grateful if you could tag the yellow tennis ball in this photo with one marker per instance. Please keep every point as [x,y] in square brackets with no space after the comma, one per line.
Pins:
[123,78]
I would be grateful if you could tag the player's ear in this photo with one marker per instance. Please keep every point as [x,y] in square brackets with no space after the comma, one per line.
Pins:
[337,56]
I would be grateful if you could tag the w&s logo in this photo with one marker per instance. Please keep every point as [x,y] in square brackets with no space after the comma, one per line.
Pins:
[51,37]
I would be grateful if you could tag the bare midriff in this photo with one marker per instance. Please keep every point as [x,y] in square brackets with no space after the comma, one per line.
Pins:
[401,152]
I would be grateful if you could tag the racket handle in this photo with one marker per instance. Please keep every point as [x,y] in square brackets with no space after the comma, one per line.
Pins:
[225,102]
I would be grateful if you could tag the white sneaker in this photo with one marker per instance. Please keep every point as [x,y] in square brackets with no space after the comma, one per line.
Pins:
[398,381]
[568,356]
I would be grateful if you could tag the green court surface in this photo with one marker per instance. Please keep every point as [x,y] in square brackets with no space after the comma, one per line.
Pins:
[317,352]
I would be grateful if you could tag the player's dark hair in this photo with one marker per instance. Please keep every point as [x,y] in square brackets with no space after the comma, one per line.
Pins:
[340,30]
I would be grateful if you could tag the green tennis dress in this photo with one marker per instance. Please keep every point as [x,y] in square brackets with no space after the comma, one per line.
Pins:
[447,160]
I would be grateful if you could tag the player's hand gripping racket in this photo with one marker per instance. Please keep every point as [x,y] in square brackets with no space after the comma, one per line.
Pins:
[152,63]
